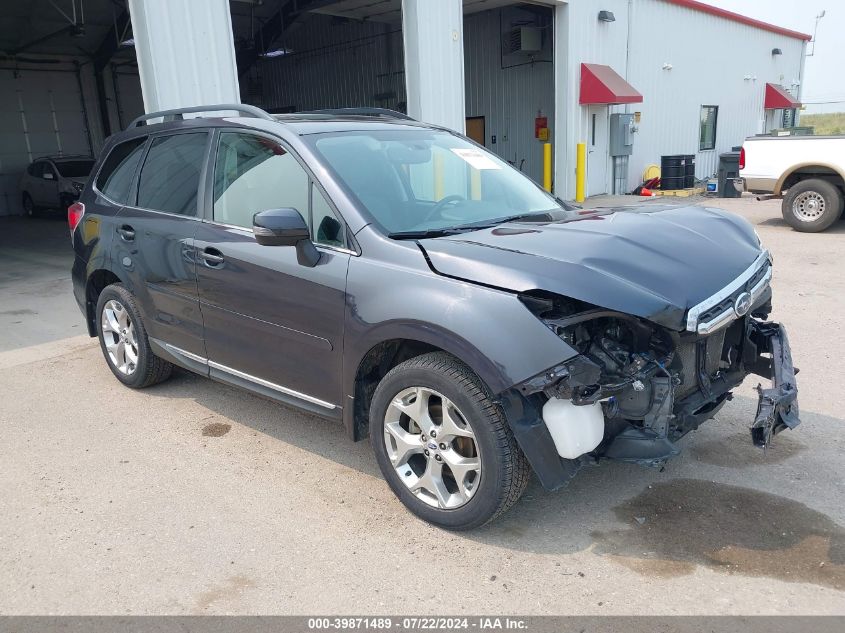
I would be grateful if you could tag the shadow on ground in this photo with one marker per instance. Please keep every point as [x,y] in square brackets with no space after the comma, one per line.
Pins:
[667,526]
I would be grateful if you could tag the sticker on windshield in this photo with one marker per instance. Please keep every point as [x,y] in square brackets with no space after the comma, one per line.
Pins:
[476,158]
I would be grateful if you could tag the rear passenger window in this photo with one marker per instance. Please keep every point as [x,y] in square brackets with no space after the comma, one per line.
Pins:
[117,172]
[171,173]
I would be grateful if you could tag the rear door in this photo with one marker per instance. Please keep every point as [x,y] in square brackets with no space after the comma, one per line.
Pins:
[271,322]
[154,239]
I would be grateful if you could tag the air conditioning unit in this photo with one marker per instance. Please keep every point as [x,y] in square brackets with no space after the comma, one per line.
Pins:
[525,39]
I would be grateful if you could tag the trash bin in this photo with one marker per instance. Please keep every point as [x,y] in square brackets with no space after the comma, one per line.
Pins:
[729,183]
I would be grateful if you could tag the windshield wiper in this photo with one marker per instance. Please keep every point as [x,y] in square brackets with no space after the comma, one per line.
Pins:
[487,224]
[463,228]
[420,235]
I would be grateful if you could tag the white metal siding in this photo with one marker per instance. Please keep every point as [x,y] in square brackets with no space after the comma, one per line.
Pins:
[583,39]
[434,55]
[508,98]
[185,52]
[710,56]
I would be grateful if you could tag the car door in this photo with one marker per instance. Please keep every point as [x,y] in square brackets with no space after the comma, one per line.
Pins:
[270,322]
[39,183]
[51,186]
[154,241]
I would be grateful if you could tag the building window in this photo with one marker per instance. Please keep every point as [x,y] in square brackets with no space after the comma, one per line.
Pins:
[707,130]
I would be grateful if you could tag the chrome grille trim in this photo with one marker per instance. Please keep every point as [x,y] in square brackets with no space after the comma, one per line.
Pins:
[728,315]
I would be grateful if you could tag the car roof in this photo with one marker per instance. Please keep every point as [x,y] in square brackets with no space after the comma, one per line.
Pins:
[305,123]
[300,124]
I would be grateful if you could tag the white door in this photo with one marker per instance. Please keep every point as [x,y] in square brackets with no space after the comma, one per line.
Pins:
[597,149]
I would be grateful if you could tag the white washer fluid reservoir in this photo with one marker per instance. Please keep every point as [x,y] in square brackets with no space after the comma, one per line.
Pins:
[575,429]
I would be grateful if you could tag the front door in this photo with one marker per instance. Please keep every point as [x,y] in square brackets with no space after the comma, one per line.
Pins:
[270,322]
[46,191]
[597,150]
[153,241]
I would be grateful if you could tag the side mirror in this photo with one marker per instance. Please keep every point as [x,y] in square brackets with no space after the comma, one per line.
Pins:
[48,175]
[286,227]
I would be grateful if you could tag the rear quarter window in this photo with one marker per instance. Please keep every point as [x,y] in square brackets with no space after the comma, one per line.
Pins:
[119,168]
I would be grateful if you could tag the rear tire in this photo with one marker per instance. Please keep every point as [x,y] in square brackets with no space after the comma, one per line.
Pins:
[479,471]
[812,205]
[124,342]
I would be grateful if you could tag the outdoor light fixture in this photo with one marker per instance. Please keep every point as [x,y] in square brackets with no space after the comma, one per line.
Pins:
[777,51]
[606,16]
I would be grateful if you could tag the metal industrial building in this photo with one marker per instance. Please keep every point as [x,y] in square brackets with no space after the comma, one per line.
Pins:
[512,75]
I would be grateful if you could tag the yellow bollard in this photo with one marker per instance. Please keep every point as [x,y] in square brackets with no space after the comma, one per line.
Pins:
[438,177]
[547,167]
[475,183]
[580,171]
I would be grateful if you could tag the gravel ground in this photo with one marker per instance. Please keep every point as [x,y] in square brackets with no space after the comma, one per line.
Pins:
[192,497]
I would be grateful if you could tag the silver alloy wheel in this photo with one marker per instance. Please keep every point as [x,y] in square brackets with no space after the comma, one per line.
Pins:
[119,337]
[432,447]
[808,206]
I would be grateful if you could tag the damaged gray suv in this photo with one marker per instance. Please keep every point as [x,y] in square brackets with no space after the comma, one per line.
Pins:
[398,278]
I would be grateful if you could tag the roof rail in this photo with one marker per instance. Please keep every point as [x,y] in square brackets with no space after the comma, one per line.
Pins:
[176,114]
[375,112]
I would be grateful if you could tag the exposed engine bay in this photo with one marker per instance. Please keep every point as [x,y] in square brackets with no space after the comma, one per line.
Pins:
[654,385]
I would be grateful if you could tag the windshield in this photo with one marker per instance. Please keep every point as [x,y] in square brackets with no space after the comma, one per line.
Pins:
[75,168]
[429,181]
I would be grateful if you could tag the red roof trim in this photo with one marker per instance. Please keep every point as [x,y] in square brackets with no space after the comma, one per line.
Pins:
[601,84]
[777,98]
[736,17]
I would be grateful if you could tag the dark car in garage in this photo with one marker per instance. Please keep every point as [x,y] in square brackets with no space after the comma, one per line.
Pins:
[398,278]
[54,182]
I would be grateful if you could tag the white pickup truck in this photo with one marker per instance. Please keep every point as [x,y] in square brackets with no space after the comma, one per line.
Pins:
[808,172]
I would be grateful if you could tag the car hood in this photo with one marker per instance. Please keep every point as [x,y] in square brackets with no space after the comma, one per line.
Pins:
[652,262]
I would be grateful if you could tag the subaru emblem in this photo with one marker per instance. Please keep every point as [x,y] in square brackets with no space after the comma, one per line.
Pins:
[742,304]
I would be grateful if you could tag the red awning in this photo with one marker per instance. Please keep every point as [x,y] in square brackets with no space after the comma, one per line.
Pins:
[777,97]
[602,84]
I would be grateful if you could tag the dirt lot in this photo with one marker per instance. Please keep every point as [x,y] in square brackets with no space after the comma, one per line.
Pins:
[192,497]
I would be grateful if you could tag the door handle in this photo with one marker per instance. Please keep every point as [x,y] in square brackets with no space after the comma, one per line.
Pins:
[127,233]
[212,257]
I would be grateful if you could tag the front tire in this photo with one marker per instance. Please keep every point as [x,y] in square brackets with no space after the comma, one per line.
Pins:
[443,444]
[812,205]
[124,342]
[29,207]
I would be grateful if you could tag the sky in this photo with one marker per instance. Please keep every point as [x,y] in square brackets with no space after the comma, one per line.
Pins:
[824,73]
